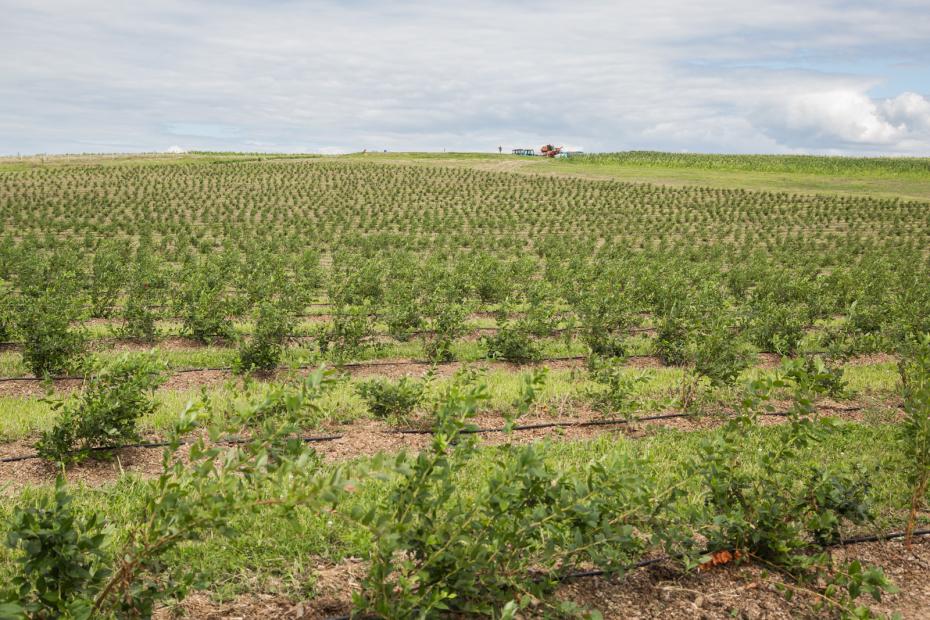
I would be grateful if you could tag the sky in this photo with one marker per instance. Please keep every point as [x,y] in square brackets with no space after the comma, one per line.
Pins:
[762,76]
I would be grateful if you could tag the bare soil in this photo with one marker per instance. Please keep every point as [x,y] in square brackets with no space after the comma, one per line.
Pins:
[662,590]
[104,469]
[748,590]
[389,368]
[369,437]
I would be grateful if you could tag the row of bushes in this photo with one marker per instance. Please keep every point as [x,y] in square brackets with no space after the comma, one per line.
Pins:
[517,527]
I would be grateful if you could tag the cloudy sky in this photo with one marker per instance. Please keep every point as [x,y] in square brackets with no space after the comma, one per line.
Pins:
[822,76]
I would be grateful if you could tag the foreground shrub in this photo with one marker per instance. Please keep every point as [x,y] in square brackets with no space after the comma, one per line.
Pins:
[512,534]
[63,564]
[73,567]
[776,512]
[778,504]
[107,410]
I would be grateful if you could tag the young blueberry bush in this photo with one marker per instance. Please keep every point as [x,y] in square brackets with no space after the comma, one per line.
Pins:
[604,308]
[617,388]
[445,321]
[512,342]
[263,351]
[203,300]
[62,563]
[438,549]
[145,290]
[107,276]
[344,336]
[76,566]
[717,353]
[774,505]
[44,317]
[50,344]
[395,400]
[7,313]
[106,412]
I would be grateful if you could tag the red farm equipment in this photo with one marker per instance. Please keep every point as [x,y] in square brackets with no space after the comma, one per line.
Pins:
[550,151]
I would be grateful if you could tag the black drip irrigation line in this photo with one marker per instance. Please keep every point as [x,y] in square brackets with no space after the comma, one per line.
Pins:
[377,363]
[608,422]
[844,542]
[34,378]
[361,364]
[528,427]
[426,431]
[218,338]
[587,574]
[161,444]
[419,431]
[316,439]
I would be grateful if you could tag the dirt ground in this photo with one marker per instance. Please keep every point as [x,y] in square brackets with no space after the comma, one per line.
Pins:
[388,368]
[662,590]
[749,591]
[369,437]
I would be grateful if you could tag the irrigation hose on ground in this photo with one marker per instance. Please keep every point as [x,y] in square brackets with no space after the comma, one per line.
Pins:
[364,364]
[427,431]
[161,444]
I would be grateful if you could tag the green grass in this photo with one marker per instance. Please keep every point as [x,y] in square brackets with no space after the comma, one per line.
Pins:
[25,417]
[910,188]
[881,167]
[212,356]
[907,178]
[562,394]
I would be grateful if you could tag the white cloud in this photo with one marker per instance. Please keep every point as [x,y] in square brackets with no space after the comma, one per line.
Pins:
[427,74]
[844,119]
[909,110]
[846,115]
[176,150]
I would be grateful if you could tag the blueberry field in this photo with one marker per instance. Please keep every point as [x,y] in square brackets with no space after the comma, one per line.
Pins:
[414,385]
